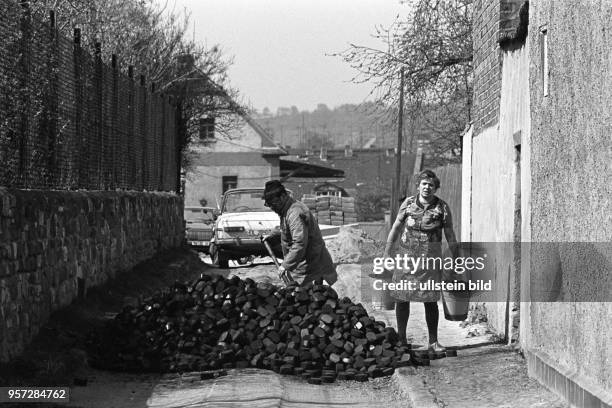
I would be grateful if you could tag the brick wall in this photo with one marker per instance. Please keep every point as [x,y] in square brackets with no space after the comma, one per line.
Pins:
[54,245]
[487,64]
[493,21]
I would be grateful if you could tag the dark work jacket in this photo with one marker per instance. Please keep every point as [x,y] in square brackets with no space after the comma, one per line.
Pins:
[305,254]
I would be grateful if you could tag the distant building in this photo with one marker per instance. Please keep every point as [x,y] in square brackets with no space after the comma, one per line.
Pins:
[366,171]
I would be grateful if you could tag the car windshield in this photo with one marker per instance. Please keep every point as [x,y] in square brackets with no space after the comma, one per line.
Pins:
[202,215]
[244,201]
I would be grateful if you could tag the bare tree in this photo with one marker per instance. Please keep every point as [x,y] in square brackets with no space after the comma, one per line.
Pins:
[139,32]
[433,45]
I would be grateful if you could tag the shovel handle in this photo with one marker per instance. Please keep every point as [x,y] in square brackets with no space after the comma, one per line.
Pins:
[286,276]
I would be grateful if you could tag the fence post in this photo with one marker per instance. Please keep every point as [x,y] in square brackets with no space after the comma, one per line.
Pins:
[24,63]
[131,176]
[152,180]
[162,142]
[100,131]
[52,110]
[114,135]
[144,130]
[82,161]
[178,144]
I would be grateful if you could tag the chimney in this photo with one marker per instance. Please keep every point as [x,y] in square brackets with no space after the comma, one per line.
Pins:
[185,63]
[348,151]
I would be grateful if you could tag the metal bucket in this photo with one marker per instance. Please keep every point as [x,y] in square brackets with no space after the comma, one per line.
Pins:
[456,305]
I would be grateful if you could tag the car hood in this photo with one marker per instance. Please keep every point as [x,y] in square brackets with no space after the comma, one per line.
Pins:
[251,220]
[199,226]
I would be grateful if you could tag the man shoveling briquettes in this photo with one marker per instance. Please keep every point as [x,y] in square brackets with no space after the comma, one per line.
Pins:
[305,256]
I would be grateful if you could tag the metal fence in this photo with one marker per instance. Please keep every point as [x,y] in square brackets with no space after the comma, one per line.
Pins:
[69,121]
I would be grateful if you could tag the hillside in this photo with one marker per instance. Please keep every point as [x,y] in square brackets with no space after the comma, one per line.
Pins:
[354,125]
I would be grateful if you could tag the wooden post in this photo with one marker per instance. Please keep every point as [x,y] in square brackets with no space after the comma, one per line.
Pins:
[153,165]
[24,84]
[115,156]
[100,133]
[178,144]
[51,114]
[162,143]
[143,130]
[131,176]
[83,158]
[398,154]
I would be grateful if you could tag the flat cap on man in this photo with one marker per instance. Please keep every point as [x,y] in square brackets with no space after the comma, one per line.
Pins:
[273,188]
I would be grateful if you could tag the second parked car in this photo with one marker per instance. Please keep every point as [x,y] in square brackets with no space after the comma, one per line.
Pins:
[199,223]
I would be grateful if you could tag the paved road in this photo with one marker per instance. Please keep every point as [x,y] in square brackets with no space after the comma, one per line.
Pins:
[248,388]
[263,389]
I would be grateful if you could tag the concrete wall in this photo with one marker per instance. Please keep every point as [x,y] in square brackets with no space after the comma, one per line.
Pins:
[54,245]
[515,126]
[492,211]
[466,186]
[501,120]
[571,169]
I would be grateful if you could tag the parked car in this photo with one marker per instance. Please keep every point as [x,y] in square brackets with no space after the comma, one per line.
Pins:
[199,224]
[242,221]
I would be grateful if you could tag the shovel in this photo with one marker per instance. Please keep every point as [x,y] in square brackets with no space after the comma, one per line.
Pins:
[284,276]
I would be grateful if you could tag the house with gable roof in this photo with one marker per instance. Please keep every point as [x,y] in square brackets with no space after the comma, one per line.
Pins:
[244,156]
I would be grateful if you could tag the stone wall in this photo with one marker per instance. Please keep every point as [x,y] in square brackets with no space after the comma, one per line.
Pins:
[55,245]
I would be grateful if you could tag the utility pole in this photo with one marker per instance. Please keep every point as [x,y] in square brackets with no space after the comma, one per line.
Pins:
[305,141]
[360,137]
[395,192]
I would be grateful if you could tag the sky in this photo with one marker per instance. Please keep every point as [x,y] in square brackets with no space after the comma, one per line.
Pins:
[279,46]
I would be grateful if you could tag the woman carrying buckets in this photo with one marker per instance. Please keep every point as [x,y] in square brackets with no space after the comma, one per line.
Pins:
[420,221]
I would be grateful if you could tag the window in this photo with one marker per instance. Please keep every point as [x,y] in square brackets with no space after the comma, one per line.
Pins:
[207,129]
[544,59]
[244,201]
[229,182]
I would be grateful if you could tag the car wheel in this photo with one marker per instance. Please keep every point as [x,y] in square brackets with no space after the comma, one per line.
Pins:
[218,258]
